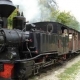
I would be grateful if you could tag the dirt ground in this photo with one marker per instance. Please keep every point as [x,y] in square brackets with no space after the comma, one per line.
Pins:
[52,74]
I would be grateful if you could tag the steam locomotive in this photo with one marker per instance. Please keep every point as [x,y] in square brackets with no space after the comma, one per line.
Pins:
[27,48]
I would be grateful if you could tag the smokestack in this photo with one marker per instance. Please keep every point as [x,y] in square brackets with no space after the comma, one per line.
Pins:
[6,8]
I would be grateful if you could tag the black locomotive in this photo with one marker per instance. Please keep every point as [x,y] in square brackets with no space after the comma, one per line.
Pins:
[27,48]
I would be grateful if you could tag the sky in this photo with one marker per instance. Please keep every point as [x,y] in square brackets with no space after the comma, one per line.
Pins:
[67,5]
[70,5]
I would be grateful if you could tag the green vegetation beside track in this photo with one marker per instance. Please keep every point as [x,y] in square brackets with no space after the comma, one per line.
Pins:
[70,73]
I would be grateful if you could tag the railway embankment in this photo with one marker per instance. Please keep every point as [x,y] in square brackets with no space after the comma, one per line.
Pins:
[70,70]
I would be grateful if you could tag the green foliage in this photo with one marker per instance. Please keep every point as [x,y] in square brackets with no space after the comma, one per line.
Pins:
[63,17]
[10,18]
[70,73]
[54,14]
[50,13]
[67,19]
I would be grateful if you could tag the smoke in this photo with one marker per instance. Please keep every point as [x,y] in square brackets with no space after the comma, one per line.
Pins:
[34,10]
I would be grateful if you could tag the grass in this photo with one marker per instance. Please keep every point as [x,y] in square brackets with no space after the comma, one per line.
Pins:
[70,73]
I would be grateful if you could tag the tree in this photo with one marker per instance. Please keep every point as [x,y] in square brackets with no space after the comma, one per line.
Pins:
[67,19]
[64,18]
[54,14]
[48,10]
[50,13]
[10,18]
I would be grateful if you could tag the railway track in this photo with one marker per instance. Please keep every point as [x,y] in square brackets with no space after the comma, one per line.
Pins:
[50,72]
